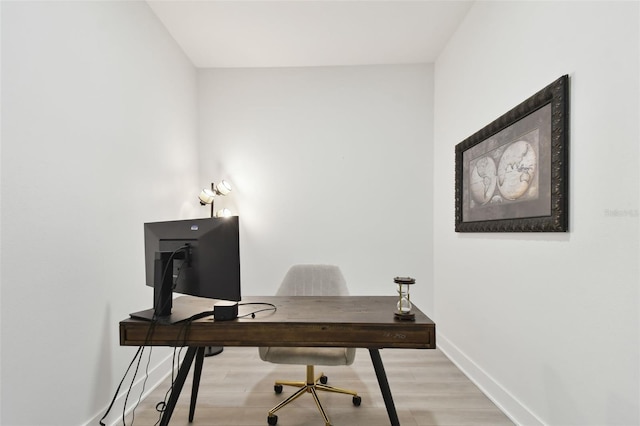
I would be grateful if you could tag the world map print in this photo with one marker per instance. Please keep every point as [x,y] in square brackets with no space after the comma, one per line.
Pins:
[506,174]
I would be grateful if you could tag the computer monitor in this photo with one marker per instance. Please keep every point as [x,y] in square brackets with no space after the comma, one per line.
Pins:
[198,257]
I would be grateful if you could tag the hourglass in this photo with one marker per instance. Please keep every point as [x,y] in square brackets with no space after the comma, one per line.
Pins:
[403,308]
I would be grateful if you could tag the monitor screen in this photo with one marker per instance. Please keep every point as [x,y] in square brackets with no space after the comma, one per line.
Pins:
[200,257]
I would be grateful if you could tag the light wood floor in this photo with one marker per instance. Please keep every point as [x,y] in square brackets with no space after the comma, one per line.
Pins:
[236,389]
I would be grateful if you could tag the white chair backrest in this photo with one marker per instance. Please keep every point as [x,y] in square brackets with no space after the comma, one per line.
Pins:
[313,280]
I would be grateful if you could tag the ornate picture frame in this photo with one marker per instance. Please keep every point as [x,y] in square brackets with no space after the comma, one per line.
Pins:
[512,175]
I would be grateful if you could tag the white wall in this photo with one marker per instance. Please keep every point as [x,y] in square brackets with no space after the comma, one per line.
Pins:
[548,324]
[99,135]
[329,165]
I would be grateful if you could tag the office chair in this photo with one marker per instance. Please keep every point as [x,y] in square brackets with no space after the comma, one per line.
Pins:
[310,280]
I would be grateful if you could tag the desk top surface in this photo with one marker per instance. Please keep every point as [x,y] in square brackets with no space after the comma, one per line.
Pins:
[343,321]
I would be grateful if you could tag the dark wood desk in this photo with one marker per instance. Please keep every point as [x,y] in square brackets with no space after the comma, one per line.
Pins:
[333,321]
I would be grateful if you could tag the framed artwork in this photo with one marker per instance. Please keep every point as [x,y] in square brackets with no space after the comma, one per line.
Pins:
[512,175]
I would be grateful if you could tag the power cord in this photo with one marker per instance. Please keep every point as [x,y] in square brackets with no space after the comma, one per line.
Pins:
[119,386]
[161,406]
[138,356]
[175,363]
[271,307]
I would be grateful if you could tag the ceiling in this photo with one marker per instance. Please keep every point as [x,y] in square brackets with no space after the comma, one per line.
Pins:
[271,33]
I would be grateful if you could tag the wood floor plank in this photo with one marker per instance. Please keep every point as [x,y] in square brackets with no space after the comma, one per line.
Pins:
[236,389]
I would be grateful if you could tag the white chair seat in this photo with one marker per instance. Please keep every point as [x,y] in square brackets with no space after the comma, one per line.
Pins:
[308,356]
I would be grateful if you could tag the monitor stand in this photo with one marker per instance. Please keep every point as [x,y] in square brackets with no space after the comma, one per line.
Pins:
[163,311]
[178,314]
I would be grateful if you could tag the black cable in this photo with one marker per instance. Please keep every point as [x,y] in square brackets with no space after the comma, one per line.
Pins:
[258,303]
[164,274]
[186,248]
[272,307]
[126,399]
[139,353]
[253,314]
[162,405]
[144,385]
[119,386]
[154,321]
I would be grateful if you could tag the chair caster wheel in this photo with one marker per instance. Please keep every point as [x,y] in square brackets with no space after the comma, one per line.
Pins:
[277,389]
[272,419]
[357,401]
[324,379]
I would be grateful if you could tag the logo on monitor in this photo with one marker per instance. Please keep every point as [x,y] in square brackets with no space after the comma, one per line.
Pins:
[194,227]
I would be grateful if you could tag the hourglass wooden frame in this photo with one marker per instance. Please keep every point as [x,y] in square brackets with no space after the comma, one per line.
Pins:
[401,284]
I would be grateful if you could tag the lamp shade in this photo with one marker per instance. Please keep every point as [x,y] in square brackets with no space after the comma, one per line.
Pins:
[206,196]
[223,188]
[223,213]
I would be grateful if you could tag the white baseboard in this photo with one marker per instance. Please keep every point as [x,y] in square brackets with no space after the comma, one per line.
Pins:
[501,397]
[156,376]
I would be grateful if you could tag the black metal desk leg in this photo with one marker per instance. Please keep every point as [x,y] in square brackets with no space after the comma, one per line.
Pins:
[177,385]
[197,371]
[384,386]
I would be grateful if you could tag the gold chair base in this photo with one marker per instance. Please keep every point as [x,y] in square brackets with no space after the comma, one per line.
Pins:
[311,386]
